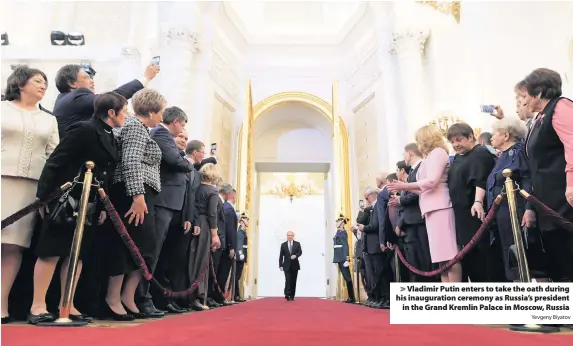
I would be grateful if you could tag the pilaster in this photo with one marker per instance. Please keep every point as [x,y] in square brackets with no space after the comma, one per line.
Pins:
[408,45]
[179,44]
[391,123]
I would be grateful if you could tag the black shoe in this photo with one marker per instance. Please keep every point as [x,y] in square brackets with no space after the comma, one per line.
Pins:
[151,311]
[41,318]
[173,308]
[350,301]
[368,302]
[377,305]
[212,303]
[385,305]
[239,300]
[287,298]
[223,303]
[7,319]
[197,306]
[136,315]
[108,313]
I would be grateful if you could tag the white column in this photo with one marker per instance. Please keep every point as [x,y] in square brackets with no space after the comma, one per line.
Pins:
[204,94]
[409,46]
[178,46]
[391,124]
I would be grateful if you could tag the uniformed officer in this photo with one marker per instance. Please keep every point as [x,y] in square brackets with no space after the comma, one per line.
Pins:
[342,256]
[241,251]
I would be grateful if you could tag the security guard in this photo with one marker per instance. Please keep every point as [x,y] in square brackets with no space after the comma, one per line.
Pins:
[342,256]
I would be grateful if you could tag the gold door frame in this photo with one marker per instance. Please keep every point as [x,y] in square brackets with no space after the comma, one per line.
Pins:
[245,182]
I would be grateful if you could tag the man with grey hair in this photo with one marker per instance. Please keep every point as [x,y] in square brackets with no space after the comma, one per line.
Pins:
[228,247]
[373,259]
[169,226]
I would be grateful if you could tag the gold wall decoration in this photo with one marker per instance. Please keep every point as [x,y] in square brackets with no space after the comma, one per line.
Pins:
[443,123]
[452,8]
[245,174]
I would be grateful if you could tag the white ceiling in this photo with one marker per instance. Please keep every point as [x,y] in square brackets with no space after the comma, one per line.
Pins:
[294,22]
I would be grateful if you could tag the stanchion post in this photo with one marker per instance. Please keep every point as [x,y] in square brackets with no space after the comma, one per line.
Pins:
[522,264]
[515,227]
[64,319]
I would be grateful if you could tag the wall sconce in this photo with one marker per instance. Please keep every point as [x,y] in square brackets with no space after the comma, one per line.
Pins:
[5,40]
[58,38]
[75,39]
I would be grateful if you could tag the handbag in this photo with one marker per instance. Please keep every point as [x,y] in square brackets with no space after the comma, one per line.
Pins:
[64,211]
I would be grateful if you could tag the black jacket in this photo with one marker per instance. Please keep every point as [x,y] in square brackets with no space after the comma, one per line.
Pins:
[284,256]
[87,141]
[78,104]
[173,170]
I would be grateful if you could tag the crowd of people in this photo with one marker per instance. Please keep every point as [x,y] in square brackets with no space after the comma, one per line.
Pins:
[172,201]
[435,203]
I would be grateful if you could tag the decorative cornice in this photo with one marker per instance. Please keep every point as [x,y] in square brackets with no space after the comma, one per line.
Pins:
[183,35]
[403,41]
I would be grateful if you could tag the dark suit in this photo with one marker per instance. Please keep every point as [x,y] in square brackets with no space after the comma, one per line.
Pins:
[226,263]
[382,262]
[168,205]
[290,266]
[415,240]
[78,104]
[87,141]
[373,256]
[241,249]
[363,218]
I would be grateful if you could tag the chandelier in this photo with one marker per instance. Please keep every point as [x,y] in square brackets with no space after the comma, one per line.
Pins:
[291,190]
[443,123]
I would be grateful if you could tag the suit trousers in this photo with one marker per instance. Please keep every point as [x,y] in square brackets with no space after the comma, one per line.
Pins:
[290,282]
[224,269]
[172,266]
[238,274]
[213,291]
[417,250]
[379,271]
[163,219]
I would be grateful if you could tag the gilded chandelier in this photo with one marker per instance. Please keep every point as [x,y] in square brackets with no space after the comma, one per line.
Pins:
[443,123]
[292,189]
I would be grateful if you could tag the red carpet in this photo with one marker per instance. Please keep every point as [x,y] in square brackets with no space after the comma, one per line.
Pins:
[264,322]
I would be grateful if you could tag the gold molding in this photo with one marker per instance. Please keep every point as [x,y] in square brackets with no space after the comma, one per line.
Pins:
[246,160]
[452,8]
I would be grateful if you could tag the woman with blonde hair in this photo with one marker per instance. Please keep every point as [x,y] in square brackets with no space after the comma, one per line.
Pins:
[207,203]
[435,203]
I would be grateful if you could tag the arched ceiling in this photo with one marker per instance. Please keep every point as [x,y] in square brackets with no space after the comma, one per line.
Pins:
[292,115]
[294,22]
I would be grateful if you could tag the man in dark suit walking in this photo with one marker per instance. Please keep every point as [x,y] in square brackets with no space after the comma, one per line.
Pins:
[169,203]
[288,263]
[77,93]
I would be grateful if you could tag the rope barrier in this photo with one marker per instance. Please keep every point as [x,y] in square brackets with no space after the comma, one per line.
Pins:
[544,210]
[36,205]
[140,262]
[469,246]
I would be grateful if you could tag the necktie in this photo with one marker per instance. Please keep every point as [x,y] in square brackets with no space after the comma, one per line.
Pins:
[290,247]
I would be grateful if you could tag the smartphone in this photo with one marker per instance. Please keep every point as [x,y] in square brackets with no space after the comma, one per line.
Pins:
[490,109]
[361,203]
[155,60]
[213,146]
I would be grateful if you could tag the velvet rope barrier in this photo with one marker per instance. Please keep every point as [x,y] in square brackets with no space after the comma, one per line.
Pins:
[138,259]
[480,232]
[35,206]
[544,210]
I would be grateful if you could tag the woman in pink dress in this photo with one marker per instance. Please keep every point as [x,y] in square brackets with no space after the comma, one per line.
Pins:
[435,201]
